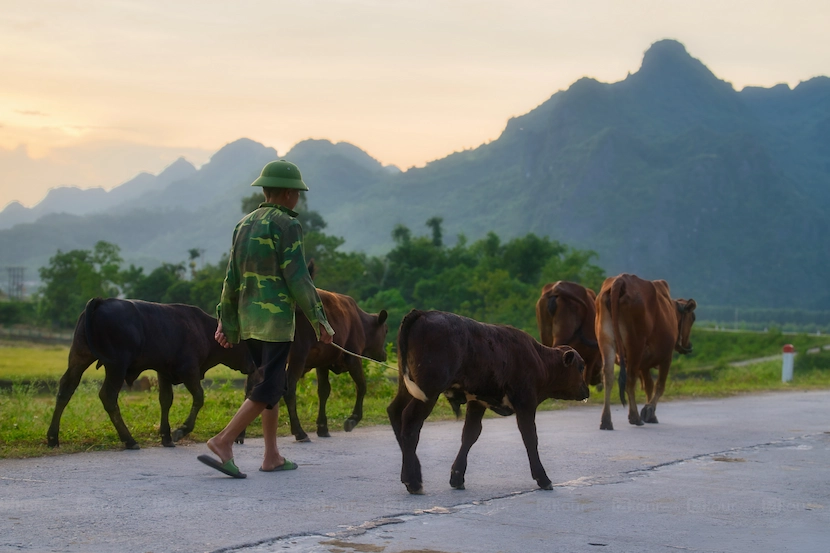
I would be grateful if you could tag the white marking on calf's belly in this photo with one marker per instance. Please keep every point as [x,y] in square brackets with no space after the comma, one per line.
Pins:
[413,389]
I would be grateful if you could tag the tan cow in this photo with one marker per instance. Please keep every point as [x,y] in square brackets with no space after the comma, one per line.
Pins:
[638,322]
[565,315]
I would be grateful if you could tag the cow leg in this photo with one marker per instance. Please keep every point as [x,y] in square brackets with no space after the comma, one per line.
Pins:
[412,420]
[648,383]
[194,386]
[165,400]
[323,393]
[359,377]
[109,397]
[249,385]
[294,372]
[526,419]
[608,355]
[395,410]
[633,365]
[469,436]
[649,410]
[69,383]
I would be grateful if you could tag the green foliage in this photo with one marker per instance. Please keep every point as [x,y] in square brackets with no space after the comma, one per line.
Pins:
[719,348]
[17,312]
[812,362]
[154,286]
[72,278]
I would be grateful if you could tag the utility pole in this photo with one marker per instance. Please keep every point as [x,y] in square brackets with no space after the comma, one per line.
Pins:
[16,283]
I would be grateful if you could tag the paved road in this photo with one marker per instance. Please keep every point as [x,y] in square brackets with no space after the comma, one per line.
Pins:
[749,473]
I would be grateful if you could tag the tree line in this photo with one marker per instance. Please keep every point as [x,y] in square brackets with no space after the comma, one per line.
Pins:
[490,280]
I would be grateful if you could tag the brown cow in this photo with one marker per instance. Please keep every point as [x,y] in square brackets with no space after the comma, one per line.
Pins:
[483,365]
[565,315]
[639,323]
[354,330]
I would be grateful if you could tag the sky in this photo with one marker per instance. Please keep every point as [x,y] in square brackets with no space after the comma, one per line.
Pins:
[93,92]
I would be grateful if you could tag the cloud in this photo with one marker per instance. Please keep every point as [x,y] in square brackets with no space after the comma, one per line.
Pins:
[31,112]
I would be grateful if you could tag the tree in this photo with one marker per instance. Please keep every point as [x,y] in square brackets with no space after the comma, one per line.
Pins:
[435,224]
[73,278]
[155,285]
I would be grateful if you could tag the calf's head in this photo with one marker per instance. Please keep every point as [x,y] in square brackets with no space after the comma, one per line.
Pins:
[685,320]
[242,360]
[568,382]
[376,331]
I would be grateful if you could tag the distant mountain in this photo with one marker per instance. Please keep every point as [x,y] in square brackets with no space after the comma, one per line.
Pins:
[154,223]
[76,201]
[670,173]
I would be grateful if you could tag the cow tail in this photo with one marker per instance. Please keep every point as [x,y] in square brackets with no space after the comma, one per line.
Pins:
[617,290]
[91,306]
[403,341]
[552,305]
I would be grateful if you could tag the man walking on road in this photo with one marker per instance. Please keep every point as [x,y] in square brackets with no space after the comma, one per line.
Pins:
[267,277]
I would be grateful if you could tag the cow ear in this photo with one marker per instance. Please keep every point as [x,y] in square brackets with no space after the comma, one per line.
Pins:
[686,307]
[569,357]
[382,316]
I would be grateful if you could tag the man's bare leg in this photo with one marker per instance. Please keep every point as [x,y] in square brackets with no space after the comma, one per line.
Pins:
[222,443]
[270,420]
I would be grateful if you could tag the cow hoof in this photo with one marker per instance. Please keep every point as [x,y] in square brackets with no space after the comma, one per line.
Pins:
[647,414]
[323,433]
[178,434]
[52,442]
[415,490]
[304,438]
[349,425]
[241,438]
[167,443]
[457,480]
[545,486]
[605,424]
[132,445]
[635,421]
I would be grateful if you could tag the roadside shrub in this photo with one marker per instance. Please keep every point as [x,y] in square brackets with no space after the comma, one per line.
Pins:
[812,362]
[17,312]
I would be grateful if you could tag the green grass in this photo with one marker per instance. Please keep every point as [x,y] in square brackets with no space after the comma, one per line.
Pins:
[717,347]
[25,414]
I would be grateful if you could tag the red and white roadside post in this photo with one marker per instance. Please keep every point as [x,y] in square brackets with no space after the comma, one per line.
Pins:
[787,365]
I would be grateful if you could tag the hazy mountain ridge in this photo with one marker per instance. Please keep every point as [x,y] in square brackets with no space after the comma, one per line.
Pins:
[669,173]
[76,201]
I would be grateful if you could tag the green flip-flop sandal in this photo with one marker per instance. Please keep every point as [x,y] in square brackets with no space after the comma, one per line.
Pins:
[228,467]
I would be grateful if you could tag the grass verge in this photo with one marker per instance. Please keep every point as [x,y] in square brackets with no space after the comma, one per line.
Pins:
[25,413]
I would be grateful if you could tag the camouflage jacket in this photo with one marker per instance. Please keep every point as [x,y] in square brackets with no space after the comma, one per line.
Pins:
[267,276]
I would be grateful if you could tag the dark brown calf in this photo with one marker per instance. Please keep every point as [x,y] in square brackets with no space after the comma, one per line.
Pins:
[640,324]
[128,337]
[483,365]
[565,315]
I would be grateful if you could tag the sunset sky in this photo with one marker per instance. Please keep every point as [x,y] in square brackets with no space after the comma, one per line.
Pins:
[92,92]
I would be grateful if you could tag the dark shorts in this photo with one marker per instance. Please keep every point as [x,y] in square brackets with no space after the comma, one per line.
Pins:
[271,358]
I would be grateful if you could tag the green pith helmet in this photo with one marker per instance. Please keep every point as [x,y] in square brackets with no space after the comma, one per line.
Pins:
[280,174]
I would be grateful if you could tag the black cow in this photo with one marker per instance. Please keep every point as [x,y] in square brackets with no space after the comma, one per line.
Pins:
[131,336]
[483,365]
